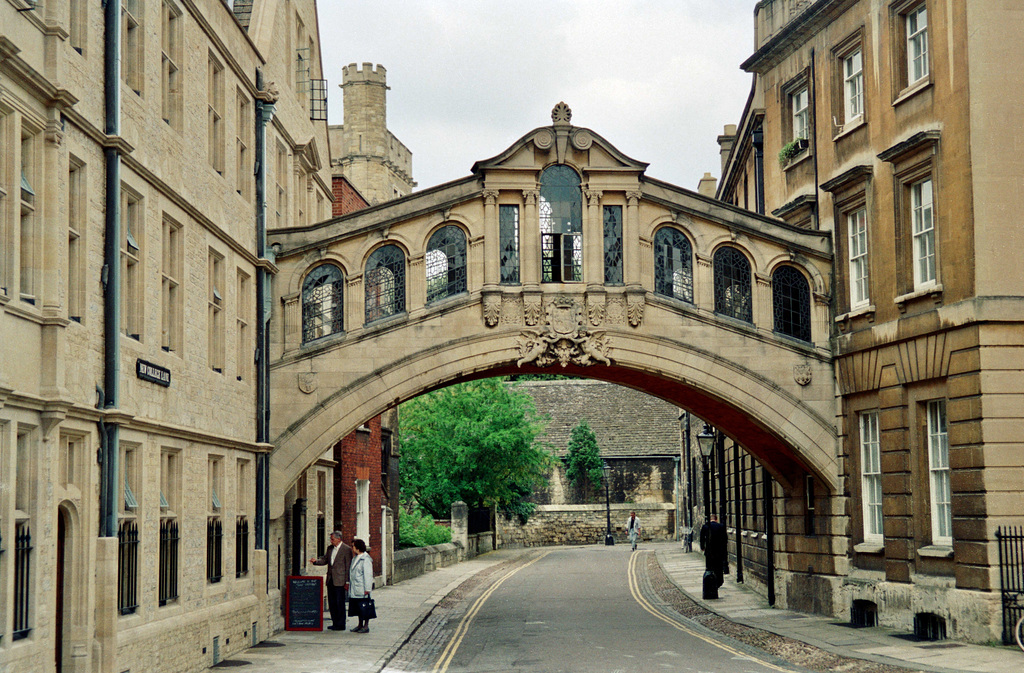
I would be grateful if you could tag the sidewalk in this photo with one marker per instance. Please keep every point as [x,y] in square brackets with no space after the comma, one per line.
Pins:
[401,608]
[743,606]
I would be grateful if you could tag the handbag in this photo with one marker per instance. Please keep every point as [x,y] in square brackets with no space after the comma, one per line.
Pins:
[367,609]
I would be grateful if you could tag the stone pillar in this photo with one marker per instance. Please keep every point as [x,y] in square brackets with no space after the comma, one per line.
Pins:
[593,240]
[631,238]
[292,310]
[764,317]
[355,310]
[416,283]
[492,243]
[259,583]
[460,526]
[106,605]
[704,283]
[529,239]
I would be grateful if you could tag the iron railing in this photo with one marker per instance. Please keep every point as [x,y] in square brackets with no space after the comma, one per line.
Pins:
[1011,577]
[214,553]
[127,567]
[241,546]
[22,580]
[168,560]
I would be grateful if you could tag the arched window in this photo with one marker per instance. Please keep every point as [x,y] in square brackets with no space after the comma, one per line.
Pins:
[791,299]
[561,225]
[446,263]
[384,281]
[673,265]
[323,307]
[732,284]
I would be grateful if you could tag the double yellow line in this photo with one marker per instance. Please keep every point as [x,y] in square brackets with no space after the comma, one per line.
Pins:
[460,632]
[634,588]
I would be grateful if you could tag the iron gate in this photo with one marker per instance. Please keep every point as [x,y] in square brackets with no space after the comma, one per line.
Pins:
[1011,576]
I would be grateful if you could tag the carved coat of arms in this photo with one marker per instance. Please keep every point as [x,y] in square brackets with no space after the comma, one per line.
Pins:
[564,339]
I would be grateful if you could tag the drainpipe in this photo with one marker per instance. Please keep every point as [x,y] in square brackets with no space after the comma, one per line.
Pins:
[814,131]
[264,113]
[757,140]
[111,273]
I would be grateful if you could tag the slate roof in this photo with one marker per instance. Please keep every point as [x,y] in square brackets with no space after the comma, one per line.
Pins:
[627,422]
[243,11]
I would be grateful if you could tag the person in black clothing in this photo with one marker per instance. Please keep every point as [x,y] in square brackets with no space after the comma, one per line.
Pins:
[714,543]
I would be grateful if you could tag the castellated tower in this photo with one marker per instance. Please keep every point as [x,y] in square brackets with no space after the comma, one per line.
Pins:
[363,151]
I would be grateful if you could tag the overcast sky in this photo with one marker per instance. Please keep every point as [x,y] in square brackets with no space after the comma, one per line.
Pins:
[657,78]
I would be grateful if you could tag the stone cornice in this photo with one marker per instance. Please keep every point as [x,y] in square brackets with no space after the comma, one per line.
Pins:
[847,178]
[911,144]
[794,34]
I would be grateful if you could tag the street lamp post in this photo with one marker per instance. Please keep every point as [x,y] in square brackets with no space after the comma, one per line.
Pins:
[607,470]
[706,442]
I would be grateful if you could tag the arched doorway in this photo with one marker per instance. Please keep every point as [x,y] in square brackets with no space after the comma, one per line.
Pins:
[63,532]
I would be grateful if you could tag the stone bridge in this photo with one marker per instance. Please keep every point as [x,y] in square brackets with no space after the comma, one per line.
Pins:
[559,255]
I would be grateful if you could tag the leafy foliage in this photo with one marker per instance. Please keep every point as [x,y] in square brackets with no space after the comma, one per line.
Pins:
[475,442]
[416,529]
[583,461]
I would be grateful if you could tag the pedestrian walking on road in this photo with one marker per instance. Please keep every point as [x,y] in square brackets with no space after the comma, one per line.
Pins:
[633,529]
[360,578]
[714,542]
[338,558]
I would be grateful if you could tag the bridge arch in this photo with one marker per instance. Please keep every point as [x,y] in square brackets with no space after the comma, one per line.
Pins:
[773,394]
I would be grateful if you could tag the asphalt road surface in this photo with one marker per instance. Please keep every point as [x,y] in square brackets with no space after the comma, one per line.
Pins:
[573,609]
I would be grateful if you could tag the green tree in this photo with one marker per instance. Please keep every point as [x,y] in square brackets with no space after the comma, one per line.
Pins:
[583,460]
[475,442]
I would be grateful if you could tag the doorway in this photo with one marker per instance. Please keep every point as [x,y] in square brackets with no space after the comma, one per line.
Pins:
[62,530]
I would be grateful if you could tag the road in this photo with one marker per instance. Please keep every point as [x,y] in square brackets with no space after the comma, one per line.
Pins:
[571,609]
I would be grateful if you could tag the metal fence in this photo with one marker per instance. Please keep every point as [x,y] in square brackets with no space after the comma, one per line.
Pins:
[22,579]
[1011,577]
[127,567]
[168,560]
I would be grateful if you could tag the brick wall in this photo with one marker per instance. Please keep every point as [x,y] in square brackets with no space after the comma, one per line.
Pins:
[358,457]
[346,198]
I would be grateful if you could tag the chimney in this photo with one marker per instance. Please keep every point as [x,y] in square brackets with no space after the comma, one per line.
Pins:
[707,185]
[725,142]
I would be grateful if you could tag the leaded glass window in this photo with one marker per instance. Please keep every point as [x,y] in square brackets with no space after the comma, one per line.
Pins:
[384,281]
[508,235]
[446,263]
[791,299]
[323,309]
[613,245]
[732,284]
[561,225]
[673,265]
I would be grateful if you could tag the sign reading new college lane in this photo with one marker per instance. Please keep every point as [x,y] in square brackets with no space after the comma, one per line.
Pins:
[304,604]
[147,371]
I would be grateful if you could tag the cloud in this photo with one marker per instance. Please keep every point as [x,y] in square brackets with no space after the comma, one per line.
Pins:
[657,78]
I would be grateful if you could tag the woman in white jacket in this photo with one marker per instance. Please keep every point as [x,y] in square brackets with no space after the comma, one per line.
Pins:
[360,583]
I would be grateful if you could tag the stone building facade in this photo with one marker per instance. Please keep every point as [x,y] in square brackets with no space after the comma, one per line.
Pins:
[638,436]
[860,123]
[154,557]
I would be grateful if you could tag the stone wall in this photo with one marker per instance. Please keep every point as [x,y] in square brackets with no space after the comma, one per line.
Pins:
[585,524]
[411,563]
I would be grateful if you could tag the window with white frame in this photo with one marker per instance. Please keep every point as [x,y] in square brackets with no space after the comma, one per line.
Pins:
[923,231]
[853,85]
[917,44]
[856,223]
[363,510]
[30,231]
[938,469]
[801,116]
[871,476]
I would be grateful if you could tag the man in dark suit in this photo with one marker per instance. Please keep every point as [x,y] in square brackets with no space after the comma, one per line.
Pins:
[337,559]
[714,542]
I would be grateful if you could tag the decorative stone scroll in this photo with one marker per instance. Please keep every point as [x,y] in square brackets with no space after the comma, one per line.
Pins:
[563,339]
[532,308]
[635,309]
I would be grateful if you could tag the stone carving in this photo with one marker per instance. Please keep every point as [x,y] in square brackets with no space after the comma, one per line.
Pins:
[564,339]
[530,196]
[582,140]
[561,114]
[490,196]
[635,309]
[307,382]
[492,309]
[595,312]
[532,309]
[802,374]
[543,139]
[512,311]
[615,312]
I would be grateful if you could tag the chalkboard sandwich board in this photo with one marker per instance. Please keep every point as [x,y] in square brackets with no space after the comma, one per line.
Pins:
[304,604]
